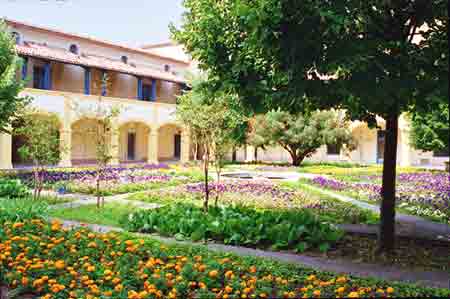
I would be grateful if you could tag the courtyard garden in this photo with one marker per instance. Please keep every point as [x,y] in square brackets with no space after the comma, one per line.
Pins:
[419,192]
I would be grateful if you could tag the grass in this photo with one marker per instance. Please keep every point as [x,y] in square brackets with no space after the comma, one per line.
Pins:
[110,214]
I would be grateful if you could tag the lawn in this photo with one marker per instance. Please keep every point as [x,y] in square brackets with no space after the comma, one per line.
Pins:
[79,263]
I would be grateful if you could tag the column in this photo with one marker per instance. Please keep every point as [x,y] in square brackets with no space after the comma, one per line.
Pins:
[185,146]
[5,151]
[65,144]
[87,80]
[250,153]
[115,140]
[139,89]
[153,93]
[404,148]
[152,146]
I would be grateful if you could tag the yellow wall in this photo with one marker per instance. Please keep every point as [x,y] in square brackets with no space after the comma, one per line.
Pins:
[141,146]
[166,141]
[83,141]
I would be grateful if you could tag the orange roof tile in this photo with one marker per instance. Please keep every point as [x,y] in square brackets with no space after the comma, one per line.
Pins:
[61,55]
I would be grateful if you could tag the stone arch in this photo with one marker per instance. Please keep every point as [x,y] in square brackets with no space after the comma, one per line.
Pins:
[133,141]
[169,141]
[83,149]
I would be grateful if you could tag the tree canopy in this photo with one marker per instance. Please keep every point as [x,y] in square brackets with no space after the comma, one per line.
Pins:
[371,58]
[301,134]
[10,102]
[430,130]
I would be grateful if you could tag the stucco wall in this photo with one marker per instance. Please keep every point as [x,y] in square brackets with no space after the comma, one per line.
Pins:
[166,141]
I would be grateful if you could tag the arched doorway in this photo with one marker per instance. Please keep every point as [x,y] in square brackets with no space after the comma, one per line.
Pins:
[84,141]
[133,142]
[169,142]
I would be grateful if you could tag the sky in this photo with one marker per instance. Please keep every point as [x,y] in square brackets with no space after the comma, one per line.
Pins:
[128,22]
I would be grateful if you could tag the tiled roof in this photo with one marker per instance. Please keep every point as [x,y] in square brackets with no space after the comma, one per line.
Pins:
[15,23]
[61,55]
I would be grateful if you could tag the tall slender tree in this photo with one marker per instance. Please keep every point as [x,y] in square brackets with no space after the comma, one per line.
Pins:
[10,85]
[371,58]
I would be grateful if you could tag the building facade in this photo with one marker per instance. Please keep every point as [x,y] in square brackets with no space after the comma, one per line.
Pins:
[369,149]
[64,77]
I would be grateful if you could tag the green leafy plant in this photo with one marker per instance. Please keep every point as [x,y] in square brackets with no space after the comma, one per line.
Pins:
[13,189]
[20,209]
[296,229]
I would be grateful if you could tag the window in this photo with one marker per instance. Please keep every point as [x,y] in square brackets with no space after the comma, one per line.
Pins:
[73,49]
[124,59]
[167,68]
[146,92]
[38,77]
[333,149]
[16,37]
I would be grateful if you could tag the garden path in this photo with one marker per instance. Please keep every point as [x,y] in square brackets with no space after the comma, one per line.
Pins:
[83,199]
[427,278]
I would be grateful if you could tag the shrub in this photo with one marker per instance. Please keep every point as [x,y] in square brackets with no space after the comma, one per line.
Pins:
[295,229]
[13,189]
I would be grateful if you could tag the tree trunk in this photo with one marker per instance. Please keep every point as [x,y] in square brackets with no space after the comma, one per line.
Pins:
[296,159]
[205,168]
[387,221]
[256,154]
[233,155]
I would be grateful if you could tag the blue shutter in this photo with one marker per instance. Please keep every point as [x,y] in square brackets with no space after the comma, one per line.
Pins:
[153,93]
[24,68]
[139,89]
[47,84]
[87,81]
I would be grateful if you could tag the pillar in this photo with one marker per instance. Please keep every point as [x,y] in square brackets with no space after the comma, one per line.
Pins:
[185,146]
[249,153]
[115,141]
[65,143]
[5,151]
[404,148]
[152,146]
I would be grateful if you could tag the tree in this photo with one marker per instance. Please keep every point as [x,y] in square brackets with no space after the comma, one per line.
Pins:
[10,101]
[371,58]
[301,134]
[103,130]
[213,121]
[41,133]
[430,130]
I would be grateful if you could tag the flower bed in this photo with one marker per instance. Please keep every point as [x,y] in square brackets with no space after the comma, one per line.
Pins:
[424,194]
[44,260]
[116,180]
[295,229]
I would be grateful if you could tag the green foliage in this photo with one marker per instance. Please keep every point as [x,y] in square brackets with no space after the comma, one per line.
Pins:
[41,132]
[42,148]
[296,229]
[430,130]
[301,134]
[20,209]
[13,189]
[10,102]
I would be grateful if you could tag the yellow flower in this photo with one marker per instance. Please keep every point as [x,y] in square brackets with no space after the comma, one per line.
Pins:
[60,264]
[353,295]
[316,293]
[390,290]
